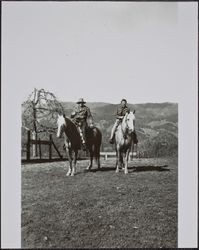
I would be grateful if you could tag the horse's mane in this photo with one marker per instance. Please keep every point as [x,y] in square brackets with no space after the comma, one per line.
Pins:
[123,122]
[72,133]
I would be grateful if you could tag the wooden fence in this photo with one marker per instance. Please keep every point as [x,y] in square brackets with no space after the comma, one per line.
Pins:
[50,144]
[113,154]
[40,142]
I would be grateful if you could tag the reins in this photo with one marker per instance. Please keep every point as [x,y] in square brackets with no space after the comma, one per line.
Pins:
[127,126]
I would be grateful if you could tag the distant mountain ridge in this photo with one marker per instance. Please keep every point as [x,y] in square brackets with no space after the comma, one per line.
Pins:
[156,123]
[149,110]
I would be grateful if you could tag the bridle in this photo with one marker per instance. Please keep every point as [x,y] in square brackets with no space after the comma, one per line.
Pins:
[127,126]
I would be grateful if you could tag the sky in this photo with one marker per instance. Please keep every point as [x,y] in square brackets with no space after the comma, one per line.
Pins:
[101,51]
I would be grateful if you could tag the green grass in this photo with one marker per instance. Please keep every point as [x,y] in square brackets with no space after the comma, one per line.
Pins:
[100,208]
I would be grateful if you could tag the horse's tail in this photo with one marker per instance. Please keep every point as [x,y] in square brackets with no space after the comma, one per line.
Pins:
[97,145]
[96,152]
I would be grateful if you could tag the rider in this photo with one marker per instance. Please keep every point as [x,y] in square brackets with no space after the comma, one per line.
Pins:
[121,112]
[80,115]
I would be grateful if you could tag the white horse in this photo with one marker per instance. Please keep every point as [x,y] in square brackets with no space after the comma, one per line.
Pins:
[124,137]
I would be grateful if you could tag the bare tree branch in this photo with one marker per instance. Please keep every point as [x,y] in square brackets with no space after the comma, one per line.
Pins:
[40,111]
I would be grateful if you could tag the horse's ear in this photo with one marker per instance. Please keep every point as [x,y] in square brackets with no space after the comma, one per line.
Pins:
[134,111]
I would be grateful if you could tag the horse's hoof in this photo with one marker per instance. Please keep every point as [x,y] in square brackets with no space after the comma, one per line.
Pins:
[67,174]
[117,171]
[126,172]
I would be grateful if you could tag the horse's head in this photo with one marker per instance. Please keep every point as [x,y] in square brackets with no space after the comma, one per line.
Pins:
[61,122]
[129,121]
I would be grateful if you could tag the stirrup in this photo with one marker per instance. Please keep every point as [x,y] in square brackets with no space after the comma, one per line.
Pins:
[111,141]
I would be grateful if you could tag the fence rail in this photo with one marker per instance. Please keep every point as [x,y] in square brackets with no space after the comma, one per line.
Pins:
[112,154]
[40,142]
[50,143]
[44,142]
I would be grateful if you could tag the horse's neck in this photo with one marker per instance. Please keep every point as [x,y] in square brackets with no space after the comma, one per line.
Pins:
[71,130]
[123,126]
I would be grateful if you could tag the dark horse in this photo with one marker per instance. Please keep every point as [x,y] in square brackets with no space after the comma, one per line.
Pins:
[72,142]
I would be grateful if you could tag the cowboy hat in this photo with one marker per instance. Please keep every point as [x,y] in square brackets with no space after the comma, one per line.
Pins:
[123,100]
[81,100]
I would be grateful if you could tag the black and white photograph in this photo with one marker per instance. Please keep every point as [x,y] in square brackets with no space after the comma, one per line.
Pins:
[99,124]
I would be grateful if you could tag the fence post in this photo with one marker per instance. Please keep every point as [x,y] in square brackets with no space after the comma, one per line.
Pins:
[50,147]
[56,149]
[34,146]
[106,157]
[39,148]
[28,146]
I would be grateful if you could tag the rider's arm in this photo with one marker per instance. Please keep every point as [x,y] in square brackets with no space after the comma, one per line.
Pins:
[74,113]
[120,117]
[119,113]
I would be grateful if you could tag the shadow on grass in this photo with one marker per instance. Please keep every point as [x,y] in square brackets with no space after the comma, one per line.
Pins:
[134,169]
[150,168]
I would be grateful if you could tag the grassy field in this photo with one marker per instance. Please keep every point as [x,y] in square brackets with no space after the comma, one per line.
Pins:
[100,208]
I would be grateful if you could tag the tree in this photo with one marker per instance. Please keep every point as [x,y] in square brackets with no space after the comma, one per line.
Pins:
[39,113]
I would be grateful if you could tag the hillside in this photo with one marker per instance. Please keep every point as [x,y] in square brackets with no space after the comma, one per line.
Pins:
[156,125]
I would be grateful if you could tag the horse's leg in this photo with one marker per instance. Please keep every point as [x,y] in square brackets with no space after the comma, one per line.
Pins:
[69,159]
[91,158]
[98,156]
[74,163]
[116,164]
[122,159]
[118,153]
[70,162]
[126,161]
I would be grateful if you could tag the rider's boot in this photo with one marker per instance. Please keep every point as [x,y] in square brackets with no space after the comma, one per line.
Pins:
[111,140]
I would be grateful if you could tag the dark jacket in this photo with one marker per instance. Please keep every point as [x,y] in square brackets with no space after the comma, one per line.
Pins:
[121,111]
[81,113]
